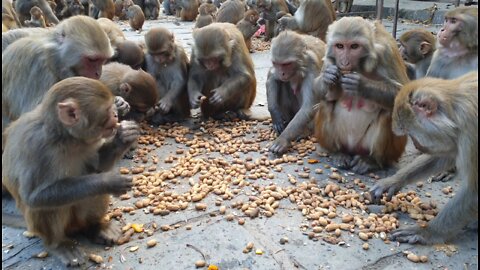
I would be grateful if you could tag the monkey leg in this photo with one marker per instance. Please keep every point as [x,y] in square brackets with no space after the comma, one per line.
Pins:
[363,164]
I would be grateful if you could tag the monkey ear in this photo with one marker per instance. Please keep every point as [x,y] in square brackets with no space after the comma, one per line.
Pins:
[68,112]
[371,60]
[426,106]
[125,89]
[425,47]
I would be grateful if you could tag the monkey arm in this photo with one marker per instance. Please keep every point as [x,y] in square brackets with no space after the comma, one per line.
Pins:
[109,153]
[273,88]
[195,84]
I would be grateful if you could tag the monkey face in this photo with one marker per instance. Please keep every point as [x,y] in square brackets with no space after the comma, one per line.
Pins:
[90,67]
[451,27]
[284,71]
[348,54]
[211,63]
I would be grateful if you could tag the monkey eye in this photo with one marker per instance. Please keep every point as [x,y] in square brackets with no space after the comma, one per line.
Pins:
[354,46]
[339,46]
[453,20]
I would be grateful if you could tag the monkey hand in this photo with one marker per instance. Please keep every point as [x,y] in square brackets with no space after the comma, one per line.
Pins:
[164,105]
[280,146]
[118,184]
[330,75]
[195,99]
[351,83]
[416,235]
[390,185]
[122,105]
[218,96]
[128,132]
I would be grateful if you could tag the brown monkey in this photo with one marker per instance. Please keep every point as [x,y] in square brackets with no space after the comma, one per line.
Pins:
[9,16]
[152,8]
[221,71]
[168,63]
[457,47]
[119,12]
[441,117]
[206,15]
[297,61]
[248,26]
[137,87]
[136,18]
[269,10]
[23,10]
[231,11]
[36,19]
[103,9]
[360,78]
[30,66]
[60,179]
[72,8]
[312,17]
[344,6]
[129,53]
[188,9]
[417,47]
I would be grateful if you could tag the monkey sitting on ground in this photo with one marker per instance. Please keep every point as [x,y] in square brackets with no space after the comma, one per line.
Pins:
[297,61]
[22,7]
[231,11]
[206,15]
[36,19]
[151,9]
[361,76]
[136,18]
[417,47]
[268,10]
[103,9]
[168,63]
[221,79]
[57,161]
[249,26]
[441,117]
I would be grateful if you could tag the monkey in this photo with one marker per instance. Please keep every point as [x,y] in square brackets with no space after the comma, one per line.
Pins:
[23,7]
[137,87]
[168,63]
[113,31]
[269,10]
[457,45]
[61,179]
[119,12]
[103,9]
[9,16]
[169,7]
[231,11]
[312,17]
[360,77]
[249,26]
[296,62]
[129,53]
[36,19]
[188,9]
[32,64]
[343,6]
[221,78]
[206,15]
[72,8]
[417,47]
[136,18]
[152,8]
[441,118]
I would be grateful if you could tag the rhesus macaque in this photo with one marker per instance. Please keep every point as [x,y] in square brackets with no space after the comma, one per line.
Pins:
[119,12]
[441,117]
[231,11]
[168,63]
[296,62]
[248,26]
[9,16]
[188,9]
[23,7]
[343,6]
[457,45]
[169,7]
[61,179]
[137,87]
[136,18]
[103,9]
[269,10]
[206,15]
[152,8]
[72,8]
[312,17]
[417,47]
[34,63]
[36,19]
[221,78]
[129,53]
[360,78]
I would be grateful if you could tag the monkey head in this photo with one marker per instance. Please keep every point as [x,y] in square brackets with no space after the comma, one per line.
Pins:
[416,44]
[160,43]
[252,16]
[83,106]
[350,44]
[129,53]
[264,5]
[421,113]
[139,89]
[36,12]
[460,28]
[212,47]
[207,9]
[288,55]
[84,46]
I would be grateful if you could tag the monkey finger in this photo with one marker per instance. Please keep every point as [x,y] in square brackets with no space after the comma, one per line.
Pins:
[216,99]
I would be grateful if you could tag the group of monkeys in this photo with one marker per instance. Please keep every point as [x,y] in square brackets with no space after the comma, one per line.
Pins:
[64,89]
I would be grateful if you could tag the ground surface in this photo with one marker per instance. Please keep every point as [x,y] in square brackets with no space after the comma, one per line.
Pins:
[218,163]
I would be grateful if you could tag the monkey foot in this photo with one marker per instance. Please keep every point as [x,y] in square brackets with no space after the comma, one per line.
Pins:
[411,235]
[108,234]
[68,253]
[341,160]
[362,164]
[443,176]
